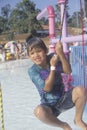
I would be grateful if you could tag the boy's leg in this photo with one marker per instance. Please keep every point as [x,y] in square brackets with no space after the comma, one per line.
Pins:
[79,96]
[44,114]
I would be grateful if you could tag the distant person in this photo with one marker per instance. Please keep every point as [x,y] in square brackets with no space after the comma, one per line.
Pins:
[2,54]
[19,49]
[14,50]
[45,73]
[12,47]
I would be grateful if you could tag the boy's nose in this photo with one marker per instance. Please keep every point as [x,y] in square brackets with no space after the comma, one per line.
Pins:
[36,54]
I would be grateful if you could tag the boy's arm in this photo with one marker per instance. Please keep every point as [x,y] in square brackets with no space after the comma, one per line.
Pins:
[65,64]
[51,78]
[54,60]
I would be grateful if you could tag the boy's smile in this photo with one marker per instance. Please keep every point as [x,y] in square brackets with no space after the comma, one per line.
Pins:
[38,56]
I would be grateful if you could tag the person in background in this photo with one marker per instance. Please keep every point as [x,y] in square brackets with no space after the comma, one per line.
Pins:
[2,54]
[45,73]
[19,49]
[14,50]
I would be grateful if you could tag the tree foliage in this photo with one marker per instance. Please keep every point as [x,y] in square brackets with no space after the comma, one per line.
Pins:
[22,18]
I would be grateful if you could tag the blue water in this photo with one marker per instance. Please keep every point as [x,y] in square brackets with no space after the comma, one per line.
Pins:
[20,97]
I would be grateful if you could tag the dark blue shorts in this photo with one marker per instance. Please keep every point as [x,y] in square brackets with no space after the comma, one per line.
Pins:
[64,103]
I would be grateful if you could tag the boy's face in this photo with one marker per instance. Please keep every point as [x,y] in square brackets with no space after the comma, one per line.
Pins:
[38,56]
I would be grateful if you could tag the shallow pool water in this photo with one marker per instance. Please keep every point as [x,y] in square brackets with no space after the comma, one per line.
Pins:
[20,98]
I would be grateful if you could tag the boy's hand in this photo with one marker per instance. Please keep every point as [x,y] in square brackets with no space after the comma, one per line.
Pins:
[54,60]
[59,49]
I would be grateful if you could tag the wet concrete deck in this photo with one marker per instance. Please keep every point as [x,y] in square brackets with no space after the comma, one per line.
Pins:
[20,98]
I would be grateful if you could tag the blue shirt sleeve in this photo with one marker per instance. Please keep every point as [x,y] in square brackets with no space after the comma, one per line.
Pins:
[36,78]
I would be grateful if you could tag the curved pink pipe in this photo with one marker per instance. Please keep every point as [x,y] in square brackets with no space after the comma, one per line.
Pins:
[42,14]
[49,11]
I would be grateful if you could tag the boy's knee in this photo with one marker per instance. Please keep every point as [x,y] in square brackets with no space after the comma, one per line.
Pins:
[79,92]
[38,110]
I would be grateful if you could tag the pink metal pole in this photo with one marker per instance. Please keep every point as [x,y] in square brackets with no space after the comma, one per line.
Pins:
[51,17]
[63,20]
[49,11]
[42,14]
[71,39]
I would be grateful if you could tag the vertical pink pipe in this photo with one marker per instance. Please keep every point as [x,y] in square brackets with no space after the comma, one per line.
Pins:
[64,27]
[51,18]
[65,45]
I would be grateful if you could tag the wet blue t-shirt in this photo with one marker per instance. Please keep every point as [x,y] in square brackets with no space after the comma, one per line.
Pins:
[38,76]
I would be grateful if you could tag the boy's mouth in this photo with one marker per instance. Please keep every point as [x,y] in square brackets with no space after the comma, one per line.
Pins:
[38,59]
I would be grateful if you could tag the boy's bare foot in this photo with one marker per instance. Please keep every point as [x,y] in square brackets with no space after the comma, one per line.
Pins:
[81,124]
[66,127]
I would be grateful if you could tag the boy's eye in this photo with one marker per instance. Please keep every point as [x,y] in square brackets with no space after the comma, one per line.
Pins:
[38,50]
[31,53]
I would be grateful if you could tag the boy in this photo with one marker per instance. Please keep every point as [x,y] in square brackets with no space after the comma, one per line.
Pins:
[45,73]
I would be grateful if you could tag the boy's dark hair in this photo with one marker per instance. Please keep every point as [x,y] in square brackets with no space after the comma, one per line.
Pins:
[28,38]
[36,42]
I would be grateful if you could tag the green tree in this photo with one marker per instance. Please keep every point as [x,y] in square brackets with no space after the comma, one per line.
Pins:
[86,7]
[58,15]
[2,21]
[5,12]
[23,17]
[76,19]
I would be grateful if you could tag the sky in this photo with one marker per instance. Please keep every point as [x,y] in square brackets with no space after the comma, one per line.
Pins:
[41,4]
